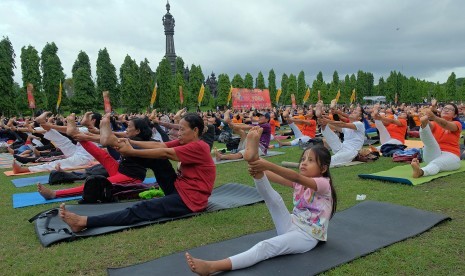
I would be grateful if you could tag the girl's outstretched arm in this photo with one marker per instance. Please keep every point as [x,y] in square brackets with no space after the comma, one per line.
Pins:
[281,175]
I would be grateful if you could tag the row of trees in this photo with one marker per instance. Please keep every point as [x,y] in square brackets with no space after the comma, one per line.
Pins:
[132,88]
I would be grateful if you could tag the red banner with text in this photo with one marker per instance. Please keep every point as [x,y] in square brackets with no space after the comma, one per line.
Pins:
[248,98]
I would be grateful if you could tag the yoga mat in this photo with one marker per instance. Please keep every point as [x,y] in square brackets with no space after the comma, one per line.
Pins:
[34,198]
[403,174]
[224,197]
[270,153]
[11,173]
[6,159]
[296,165]
[353,233]
[43,179]
[413,144]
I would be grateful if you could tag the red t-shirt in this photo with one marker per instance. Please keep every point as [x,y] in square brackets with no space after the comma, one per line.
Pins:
[196,175]
[447,140]
[398,132]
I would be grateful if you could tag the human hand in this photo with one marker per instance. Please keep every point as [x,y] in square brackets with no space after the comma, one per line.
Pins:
[124,147]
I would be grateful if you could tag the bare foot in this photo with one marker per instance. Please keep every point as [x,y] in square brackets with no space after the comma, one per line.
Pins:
[217,154]
[227,117]
[10,150]
[71,128]
[107,138]
[253,140]
[319,109]
[76,222]
[87,119]
[42,119]
[333,104]
[18,169]
[417,171]
[58,167]
[198,266]
[45,192]
[153,115]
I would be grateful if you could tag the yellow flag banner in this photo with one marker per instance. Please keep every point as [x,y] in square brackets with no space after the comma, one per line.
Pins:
[181,95]
[352,97]
[230,95]
[278,94]
[59,96]
[154,96]
[201,92]
[307,95]
[338,95]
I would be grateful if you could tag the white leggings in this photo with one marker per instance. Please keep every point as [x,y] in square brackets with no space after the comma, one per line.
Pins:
[437,160]
[384,136]
[76,155]
[290,238]
[298,135]
[342,154]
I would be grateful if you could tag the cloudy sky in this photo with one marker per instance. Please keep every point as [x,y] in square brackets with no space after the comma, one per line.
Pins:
[420,38]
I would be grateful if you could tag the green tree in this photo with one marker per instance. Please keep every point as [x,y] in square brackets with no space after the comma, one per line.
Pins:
[179,83]
[107,80]
[166,91]
[179,65]
[248,81]
[224,85]
[52,75]
[291,89]
[272,86]
[451,88]
[237,81]
[260,81]
[30,68]
[301,88]
[129,80]
[147,83]
[284,83]
[196,79]
[85,97]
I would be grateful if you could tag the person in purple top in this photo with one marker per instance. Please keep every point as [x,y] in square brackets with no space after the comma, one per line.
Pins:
[263,122]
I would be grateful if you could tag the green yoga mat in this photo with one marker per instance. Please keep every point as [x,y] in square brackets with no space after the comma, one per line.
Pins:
[403,174]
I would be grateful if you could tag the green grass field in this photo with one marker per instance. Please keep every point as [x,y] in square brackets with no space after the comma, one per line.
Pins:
[439,251]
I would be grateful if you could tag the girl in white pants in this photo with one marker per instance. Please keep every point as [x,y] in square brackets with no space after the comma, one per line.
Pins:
[299,232]
[440,137]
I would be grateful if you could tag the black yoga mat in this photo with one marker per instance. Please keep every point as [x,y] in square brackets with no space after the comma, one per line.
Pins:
[227,196]
[353,233]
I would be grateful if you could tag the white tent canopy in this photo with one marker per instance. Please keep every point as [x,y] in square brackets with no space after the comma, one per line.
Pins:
[375,98]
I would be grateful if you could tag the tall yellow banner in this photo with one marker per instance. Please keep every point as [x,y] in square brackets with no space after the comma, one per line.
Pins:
[230,95]
[352,97]
[307,95]
[338,95]
[59,96]
[278,94]
[154,96]
[201,92]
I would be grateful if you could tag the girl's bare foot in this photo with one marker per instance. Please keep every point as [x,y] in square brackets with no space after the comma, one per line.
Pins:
[107,138]
[319,109]
[253,140]
[45,192]
[71,128]
[76,223]
[87,119]
[198,266]
[417,171]
[42,119]
[18,169]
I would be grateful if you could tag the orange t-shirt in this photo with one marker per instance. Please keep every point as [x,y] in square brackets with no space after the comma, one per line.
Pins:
[273,124]
[237,121]
[416,119]
[300,117]
[447,140]
[398,132]
[309,130]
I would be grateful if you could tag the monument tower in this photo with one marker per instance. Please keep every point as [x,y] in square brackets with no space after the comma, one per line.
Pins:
[168,23]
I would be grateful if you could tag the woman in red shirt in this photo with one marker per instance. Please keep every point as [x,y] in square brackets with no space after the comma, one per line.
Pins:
[189,192]
[440,136]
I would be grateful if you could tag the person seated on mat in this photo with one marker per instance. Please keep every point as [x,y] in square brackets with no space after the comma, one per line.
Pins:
[314,200]
[124,171]
[391,130]
[263,122]
[303,134]
[354,135]
[187,193]
[76,155]
[440,136]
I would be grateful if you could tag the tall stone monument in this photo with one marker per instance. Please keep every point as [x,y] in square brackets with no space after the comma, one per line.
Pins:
[168,23]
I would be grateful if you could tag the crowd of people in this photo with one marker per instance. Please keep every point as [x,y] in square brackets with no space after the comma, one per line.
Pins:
[129,144]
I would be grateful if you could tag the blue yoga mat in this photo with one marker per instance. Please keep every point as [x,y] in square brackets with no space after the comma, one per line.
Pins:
[43,179]
[34,198]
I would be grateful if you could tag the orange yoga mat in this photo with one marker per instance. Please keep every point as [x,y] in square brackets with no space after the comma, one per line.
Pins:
[413,144]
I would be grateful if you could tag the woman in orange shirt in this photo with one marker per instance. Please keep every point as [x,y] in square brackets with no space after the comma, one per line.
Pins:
[391,131]
[440,136]
[308,128]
